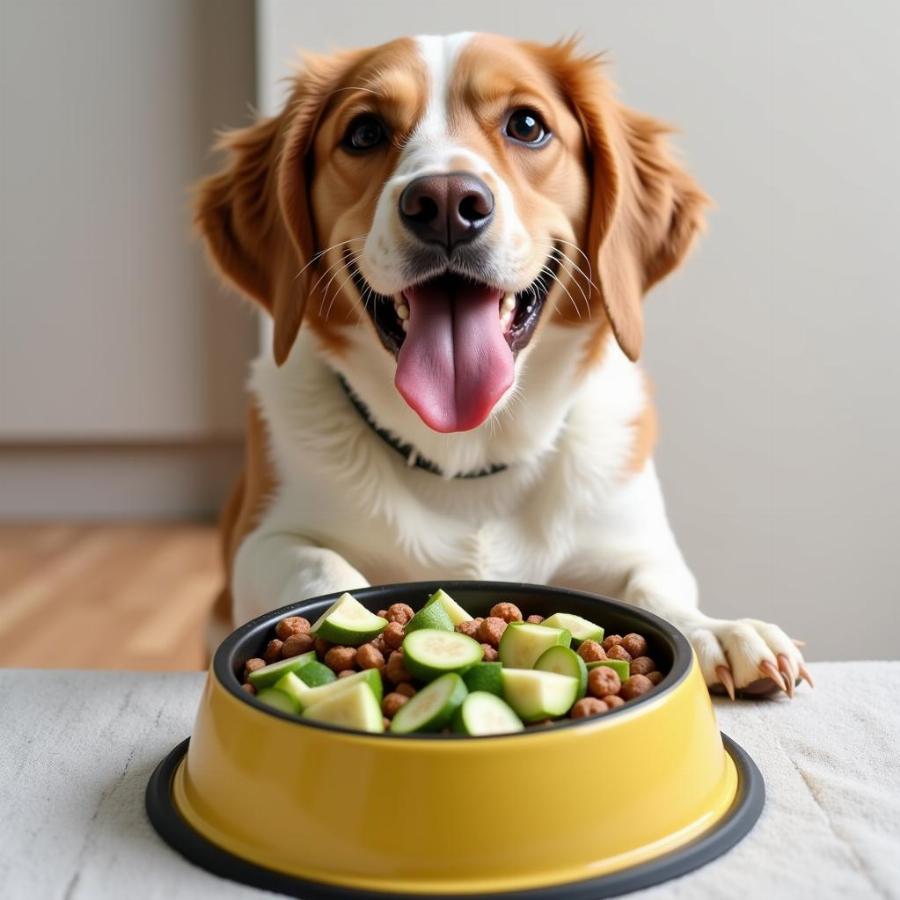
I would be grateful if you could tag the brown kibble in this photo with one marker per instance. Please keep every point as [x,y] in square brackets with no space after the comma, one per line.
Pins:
[393,636]
[392,702]
[541,724]
[386,722]
[509,612]
[534,619]
[322,647]
[297,643]
[395,671]
[252,665]
[382,613]
[611,640]
[603,681]
[613,700]
[272,652]
[635,686]
[490,654]
[369,657]
[406,689]
[291,625]
[378,643]
[491,630]
[586,707]
[655,677]
[340,659]
[346,673]
[635,644]
[641,665]
[617,651]
[591,651]
[399,612]
[248,689]
[470,628]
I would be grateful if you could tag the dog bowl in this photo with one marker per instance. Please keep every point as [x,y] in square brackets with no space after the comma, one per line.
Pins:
[582,809]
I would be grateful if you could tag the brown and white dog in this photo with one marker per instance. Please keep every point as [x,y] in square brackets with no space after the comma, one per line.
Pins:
[466,227]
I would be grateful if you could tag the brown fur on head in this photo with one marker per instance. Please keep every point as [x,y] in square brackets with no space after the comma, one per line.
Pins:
[255,214]
[645,208]
[287,192]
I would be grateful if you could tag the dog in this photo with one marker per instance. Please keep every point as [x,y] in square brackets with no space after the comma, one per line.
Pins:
[466,227]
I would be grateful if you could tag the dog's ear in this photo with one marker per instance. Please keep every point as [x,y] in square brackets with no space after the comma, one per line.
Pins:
[645,208]
[255,214]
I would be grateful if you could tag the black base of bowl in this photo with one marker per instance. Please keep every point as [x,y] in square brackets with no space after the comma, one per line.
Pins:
[728,831]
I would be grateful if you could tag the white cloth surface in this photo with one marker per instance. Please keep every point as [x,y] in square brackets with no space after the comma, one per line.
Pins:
[77,748]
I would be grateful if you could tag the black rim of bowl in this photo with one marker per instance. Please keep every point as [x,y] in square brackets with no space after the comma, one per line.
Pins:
[232,652]
[721,837]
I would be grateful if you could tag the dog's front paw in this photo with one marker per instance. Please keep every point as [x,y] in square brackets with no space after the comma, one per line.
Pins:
[747,657]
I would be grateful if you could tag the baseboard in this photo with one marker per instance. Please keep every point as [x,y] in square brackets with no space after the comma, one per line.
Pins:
[110,481]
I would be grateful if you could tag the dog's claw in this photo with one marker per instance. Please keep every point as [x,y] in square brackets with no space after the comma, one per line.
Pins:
[786,669]
[769,671]
[724,675]
[804,674]
[798,643]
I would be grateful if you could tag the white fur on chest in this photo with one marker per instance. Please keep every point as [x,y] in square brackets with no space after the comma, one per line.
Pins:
[342,487]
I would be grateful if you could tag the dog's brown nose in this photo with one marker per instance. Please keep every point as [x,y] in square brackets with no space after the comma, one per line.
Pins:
[447,209]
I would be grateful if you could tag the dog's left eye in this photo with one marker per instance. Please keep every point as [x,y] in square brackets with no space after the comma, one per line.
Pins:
[527,127]
[365,132]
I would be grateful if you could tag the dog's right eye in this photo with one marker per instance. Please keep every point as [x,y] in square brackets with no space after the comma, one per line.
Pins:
[365,132]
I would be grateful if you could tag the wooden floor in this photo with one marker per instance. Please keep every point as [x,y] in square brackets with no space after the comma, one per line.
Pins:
[106,596]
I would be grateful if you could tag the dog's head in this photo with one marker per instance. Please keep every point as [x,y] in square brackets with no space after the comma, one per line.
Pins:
[435,204]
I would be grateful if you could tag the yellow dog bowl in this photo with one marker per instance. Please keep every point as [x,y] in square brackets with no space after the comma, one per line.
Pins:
[583,809]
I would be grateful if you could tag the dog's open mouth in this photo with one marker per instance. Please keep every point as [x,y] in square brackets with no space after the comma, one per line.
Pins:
[455,340]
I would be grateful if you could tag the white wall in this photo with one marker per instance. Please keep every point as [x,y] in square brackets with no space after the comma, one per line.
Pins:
[774,351]
[111,327]
[122,362]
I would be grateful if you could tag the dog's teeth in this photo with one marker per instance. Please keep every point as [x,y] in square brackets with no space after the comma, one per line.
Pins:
[402,311]
[404,324]
[508,304]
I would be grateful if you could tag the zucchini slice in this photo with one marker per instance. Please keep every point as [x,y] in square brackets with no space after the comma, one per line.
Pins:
[581,629]
[538,695]
[432,708]
[429,653]
[564,661]
[268,675]
[621,667]
[522,643]
[431,615]
[348,622]
[316,674]
[485,676]
[483,713]
[278,700]
[456,613]
[354,708]
[306,696]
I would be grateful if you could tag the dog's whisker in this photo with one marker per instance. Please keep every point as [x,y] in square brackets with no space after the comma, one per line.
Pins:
[562,257]
[564,260]
[578,249]
[337,291]
[335,265]
[332,268]
[573,267]
[317,256]
[320,279]
[555,277]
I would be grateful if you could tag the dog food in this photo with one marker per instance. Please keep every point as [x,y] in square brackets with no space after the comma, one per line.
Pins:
[439,670]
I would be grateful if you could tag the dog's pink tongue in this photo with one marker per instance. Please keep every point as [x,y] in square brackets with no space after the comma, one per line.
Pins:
[454,364]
